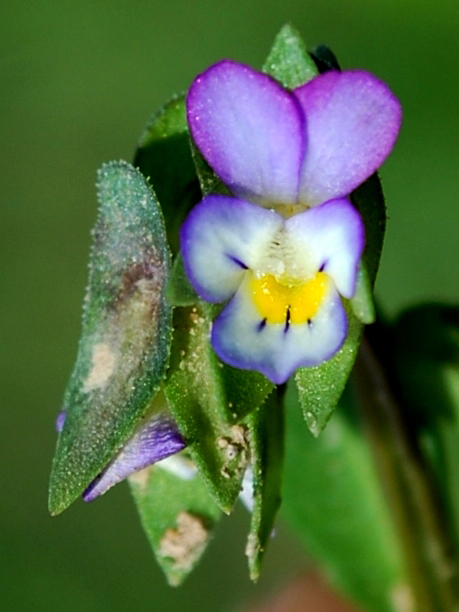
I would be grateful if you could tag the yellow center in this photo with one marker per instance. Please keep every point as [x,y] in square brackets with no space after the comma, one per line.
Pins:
[283,300]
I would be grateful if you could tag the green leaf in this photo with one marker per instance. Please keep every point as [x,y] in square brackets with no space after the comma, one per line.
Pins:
[266,427]
[177,514]
[124,347]
[369,201]
[196,397]
[288,60]
[207,398]
[333,501]
[362,302]
[427,359]
[320,387]
[208,180]
[245,390]
[179,290]
[164,156]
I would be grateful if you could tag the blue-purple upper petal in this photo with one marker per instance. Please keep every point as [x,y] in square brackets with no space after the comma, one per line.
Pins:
[250,130]
[353,121]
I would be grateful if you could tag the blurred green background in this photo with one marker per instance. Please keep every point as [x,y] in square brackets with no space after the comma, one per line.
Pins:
[78,82]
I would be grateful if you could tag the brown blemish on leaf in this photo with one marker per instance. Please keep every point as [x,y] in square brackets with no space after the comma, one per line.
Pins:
[146,274]
[401,597]
[103,365]
[239,435]
[253,547]
[184,544]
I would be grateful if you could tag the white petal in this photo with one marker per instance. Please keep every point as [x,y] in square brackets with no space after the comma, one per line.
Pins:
[220,239]
[330,237]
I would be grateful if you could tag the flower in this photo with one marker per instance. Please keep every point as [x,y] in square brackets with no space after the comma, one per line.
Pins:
[287,243]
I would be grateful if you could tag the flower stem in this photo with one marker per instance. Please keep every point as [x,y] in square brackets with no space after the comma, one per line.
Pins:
[411,494]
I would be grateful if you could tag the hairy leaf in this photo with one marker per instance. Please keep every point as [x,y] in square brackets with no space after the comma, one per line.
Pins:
[177,514]
[124,347]
[203,394]
[266,426]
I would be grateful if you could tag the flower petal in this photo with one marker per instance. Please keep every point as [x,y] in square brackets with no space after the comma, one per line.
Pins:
[240,339]
[329,238]
[352,123]
[220,239]
[156,439]
[249,129]
[60,420]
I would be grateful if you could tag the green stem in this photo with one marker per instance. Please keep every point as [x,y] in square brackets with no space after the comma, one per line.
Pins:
[411,495]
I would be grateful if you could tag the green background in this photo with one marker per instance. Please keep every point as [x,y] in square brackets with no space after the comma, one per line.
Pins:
[78,82]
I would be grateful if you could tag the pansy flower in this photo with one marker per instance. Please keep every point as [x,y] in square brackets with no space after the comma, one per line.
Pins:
[286,244]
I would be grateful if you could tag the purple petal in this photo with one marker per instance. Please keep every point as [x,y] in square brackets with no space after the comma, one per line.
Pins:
[352,123]
[156,439]
[250,130]
[60,420]
[239,340]
[331,237]
[220,239]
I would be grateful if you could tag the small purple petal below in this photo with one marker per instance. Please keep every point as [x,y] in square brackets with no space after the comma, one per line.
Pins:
[156,439]
[353,120]
[250,130]
[220,239]
[60,420]
[239,340]
[331,237]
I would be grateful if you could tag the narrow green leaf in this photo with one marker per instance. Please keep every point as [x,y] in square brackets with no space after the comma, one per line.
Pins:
[208,400]
[164,156]
[245,391]
[320,387]
[208,180]
[369,201]
[362,302]
[197,399]
[333,501]
[124,348]
[324,58]
[266,427]
[427,359]
[179,290]
[177,514]
[288,60]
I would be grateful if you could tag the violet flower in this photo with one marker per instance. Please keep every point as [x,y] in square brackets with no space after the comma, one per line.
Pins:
[287,243]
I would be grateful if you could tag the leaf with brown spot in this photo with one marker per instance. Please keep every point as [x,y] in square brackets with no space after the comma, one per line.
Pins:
[124,347]
[177,514]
